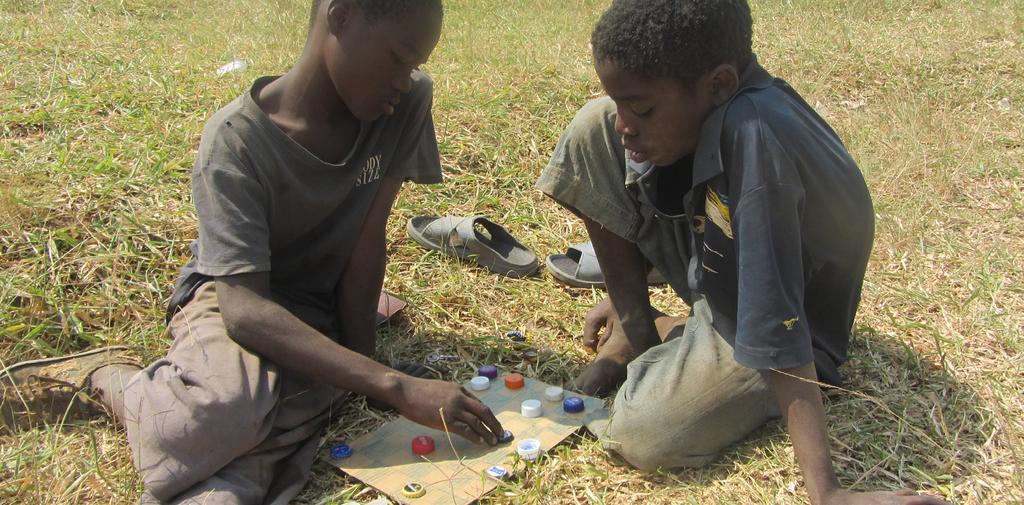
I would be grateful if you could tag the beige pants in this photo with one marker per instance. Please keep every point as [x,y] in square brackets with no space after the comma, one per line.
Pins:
[215,424]
[687,399]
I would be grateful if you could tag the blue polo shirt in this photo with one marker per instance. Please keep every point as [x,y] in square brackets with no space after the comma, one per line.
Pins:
[774,227]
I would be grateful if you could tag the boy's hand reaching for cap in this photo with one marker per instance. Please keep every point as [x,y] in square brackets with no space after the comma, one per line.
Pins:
[424,400]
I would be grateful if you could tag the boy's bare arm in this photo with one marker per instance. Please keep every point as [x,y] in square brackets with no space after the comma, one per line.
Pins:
[258,323]
[625,275]
[799,399]
[363,279]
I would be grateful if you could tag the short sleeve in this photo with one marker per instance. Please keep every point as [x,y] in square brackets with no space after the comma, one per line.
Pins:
[772,330]
[416,157]
[232,207]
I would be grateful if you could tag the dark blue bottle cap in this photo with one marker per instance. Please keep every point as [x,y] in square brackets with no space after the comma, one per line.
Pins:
[340,451]
[489,371]
[515,336]
[506,437]
[573,405]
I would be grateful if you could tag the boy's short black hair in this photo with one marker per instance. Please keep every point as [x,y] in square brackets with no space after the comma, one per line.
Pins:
[674,38]
[375,10]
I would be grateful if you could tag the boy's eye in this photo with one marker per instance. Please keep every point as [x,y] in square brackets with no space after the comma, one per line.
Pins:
[641,111]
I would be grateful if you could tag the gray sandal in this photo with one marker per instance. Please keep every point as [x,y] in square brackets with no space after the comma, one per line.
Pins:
[476,239]
[579,268]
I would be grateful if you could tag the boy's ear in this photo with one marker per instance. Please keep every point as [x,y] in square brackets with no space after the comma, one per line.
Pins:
[724,81]
[338,14]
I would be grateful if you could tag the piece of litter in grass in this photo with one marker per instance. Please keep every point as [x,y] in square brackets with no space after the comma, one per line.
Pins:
[854,104]
[232,66]
[1005,104]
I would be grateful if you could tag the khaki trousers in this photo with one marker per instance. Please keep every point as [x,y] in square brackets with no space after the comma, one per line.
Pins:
[686,400]
[213,423]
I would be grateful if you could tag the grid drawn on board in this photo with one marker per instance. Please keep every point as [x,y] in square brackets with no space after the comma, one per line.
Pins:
[383,458]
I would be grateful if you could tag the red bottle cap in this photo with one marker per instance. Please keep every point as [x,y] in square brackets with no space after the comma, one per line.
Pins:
[422,445]
[514,381]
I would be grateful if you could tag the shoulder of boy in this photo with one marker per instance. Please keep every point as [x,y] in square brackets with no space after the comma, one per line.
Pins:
[223,133]
[422,87]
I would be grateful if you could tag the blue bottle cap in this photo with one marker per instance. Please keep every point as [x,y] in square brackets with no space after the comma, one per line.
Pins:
[515,336]
[505,437]
[340,451]
[489,371]
[573,404]
[497,472]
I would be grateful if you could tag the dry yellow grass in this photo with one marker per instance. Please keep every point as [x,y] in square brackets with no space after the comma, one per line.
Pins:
[102,102]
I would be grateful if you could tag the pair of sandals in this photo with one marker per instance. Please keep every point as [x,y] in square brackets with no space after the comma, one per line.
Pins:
[488,244]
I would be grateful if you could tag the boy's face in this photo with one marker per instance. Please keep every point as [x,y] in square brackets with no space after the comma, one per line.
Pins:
[659,118]
[370,63]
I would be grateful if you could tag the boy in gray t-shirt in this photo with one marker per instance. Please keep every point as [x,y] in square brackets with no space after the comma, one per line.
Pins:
[274,316]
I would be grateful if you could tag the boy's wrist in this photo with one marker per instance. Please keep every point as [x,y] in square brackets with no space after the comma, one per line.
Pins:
[391,387]
[826,493]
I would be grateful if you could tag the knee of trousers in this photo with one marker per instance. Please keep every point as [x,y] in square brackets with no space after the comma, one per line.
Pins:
[650,445]
[181,433]
[668,434]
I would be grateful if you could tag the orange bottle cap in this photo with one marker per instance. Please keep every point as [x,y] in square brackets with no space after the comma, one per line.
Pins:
[514,381]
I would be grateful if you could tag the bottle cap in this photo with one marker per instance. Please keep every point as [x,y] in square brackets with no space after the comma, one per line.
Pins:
[497,472]
[340,451]
[573,405]
[528,449]
[514,381]
[554,394]
[489,371]
[515,336]
[505,437]
[422,445]
[413,490]
[531,408]
[479,383]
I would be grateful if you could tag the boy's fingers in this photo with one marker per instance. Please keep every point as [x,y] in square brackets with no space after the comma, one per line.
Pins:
[483,413]
[478,433]
[591,331]
[463,430]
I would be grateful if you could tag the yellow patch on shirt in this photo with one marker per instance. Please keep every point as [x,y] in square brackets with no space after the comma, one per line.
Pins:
[790,323]
[718,212]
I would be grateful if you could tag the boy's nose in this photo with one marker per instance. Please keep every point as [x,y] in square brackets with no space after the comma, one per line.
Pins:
[403,84]
[622,128]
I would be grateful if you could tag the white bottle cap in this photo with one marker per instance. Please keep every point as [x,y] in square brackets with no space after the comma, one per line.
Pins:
[479,383]
[531,408]
[553,394]
[528,448]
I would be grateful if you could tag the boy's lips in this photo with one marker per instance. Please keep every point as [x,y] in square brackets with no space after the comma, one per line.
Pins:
[636,156]
[391,104]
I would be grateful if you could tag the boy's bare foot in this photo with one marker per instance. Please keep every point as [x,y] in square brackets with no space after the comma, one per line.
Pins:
[54,390]
[608,370]
[603,332]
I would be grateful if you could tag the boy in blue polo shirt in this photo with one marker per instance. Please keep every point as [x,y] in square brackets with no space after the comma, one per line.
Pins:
[701,164]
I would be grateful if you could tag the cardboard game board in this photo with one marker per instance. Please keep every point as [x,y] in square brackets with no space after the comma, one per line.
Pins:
[384,459]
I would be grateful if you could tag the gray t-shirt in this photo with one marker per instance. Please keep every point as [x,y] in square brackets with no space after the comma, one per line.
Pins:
[266,204]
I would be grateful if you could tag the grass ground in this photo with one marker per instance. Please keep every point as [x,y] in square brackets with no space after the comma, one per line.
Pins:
[102,103]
